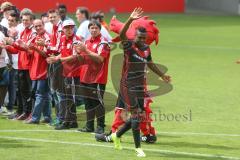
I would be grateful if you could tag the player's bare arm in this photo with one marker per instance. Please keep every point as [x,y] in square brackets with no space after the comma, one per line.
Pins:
[136,14]
[155,69]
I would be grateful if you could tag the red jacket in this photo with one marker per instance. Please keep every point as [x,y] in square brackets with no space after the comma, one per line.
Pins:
[38,70]
[92,72]
[24,58]
[71,68]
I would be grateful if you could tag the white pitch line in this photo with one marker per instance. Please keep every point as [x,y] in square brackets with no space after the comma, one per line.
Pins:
[193,154]
[201,47]
[34,130]
[110,146]
[161,133]
[200,134]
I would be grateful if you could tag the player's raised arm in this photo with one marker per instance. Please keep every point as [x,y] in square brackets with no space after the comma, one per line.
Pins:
[136,14]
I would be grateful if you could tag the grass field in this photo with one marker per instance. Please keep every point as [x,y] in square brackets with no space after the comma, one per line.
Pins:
[200,54]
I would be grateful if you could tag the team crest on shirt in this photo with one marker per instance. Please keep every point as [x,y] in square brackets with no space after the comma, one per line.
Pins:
[140,58]
[62,45]
[94,46]
[68,46]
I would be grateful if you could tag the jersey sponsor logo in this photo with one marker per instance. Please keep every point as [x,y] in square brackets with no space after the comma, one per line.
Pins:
[140,58]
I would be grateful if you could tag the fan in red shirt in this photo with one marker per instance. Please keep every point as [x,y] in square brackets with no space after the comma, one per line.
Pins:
[38,70]
[94,57]
[94,75]
[55,70]
[38,75]
[71,73]
[24,62]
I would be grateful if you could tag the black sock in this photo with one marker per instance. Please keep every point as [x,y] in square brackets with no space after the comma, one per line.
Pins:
[124,129]
[136,132]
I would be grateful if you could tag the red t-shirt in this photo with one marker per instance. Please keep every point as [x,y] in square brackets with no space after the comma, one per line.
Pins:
[92,72]
[56,36]
[70,68]
[24,58]
[38,70]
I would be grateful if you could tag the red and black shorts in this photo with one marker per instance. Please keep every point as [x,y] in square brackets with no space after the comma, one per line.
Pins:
[131,98]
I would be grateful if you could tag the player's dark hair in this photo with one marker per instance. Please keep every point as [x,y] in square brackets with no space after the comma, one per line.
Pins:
[97,16]
[44,15]
[63,6]
[17,16]
[16,10]
[94,22]
[141,29]
[52,11]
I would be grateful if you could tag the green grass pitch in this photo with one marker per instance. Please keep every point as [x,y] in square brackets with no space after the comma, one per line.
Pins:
[200,54]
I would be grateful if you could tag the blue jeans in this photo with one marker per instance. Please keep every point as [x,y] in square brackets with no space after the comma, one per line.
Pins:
[12,87]
[42,100]
[56,97]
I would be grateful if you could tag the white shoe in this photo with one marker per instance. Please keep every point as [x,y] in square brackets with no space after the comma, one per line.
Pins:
[3,110]
[8,113]
[140,152]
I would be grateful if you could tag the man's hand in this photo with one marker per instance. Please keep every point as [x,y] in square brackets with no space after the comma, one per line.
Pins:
[22,44]
[9,67]
[31,46]
[136,14]
[52,59]
[166,78]
[80,48]
[8,40]
[12,32]
[40,42]
[2,45]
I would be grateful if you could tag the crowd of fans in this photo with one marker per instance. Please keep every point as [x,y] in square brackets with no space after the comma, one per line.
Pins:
[50,61]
